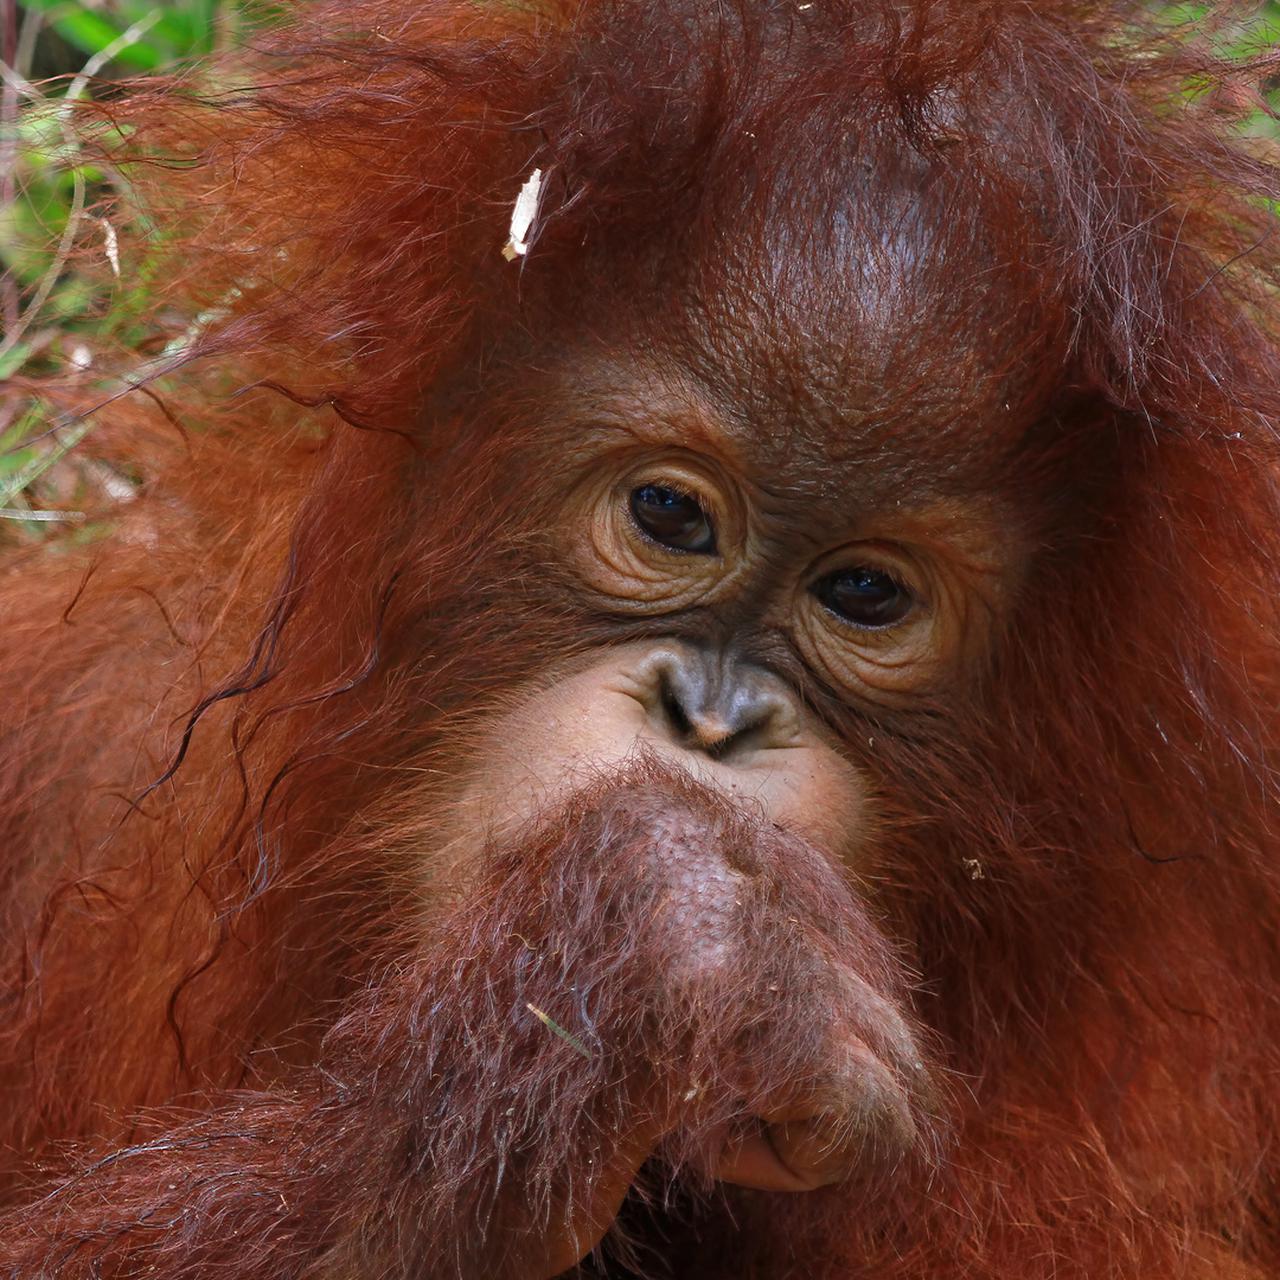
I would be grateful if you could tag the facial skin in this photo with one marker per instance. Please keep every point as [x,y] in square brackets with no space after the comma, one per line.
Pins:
[767,548]
[755,607]
[678,711]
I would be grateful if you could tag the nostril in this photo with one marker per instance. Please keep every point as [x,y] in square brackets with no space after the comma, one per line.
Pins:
[674,711]
[698,726]
[709,704]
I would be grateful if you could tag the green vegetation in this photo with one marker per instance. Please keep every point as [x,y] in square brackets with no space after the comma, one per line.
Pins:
[65,304]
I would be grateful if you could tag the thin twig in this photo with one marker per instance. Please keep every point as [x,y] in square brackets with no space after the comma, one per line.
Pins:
[32,23]
[14,484]
[46,517]
[552,1025]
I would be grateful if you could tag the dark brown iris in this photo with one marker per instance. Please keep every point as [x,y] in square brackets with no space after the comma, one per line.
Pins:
[672,518]
[864,596]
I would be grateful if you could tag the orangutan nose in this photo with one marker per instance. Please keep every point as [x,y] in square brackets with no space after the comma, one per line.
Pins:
[710,701]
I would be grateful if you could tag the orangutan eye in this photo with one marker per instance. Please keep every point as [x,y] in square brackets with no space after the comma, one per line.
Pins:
[673,519]
[864,596]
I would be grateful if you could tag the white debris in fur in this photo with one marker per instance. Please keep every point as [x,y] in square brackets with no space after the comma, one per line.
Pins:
[522,217]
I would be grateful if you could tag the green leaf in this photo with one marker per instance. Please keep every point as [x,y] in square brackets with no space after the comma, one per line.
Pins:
[13,360]
[203,20]
[70,299]
[1179,14]
[174,28]
[91,33]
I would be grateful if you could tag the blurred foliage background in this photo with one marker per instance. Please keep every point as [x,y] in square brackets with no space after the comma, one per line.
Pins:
[66,307]
[68,311]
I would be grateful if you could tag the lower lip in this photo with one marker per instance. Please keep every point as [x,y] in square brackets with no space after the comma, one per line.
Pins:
[752,1161]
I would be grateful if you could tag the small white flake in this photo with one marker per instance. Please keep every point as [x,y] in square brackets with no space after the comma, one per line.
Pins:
[112,246]
[80,356]
[522,217]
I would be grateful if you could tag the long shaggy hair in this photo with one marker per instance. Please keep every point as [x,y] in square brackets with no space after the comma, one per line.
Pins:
[218,722]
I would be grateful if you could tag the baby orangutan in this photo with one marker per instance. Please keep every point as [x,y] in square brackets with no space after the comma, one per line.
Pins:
[732,740]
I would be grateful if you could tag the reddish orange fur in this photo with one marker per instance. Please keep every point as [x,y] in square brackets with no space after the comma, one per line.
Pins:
[1105,993]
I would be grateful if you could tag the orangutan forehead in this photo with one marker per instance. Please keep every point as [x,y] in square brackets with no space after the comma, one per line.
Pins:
[837,335]
[875,311]
[876,306]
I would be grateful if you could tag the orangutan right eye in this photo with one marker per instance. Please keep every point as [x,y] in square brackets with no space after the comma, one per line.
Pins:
[673,519]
